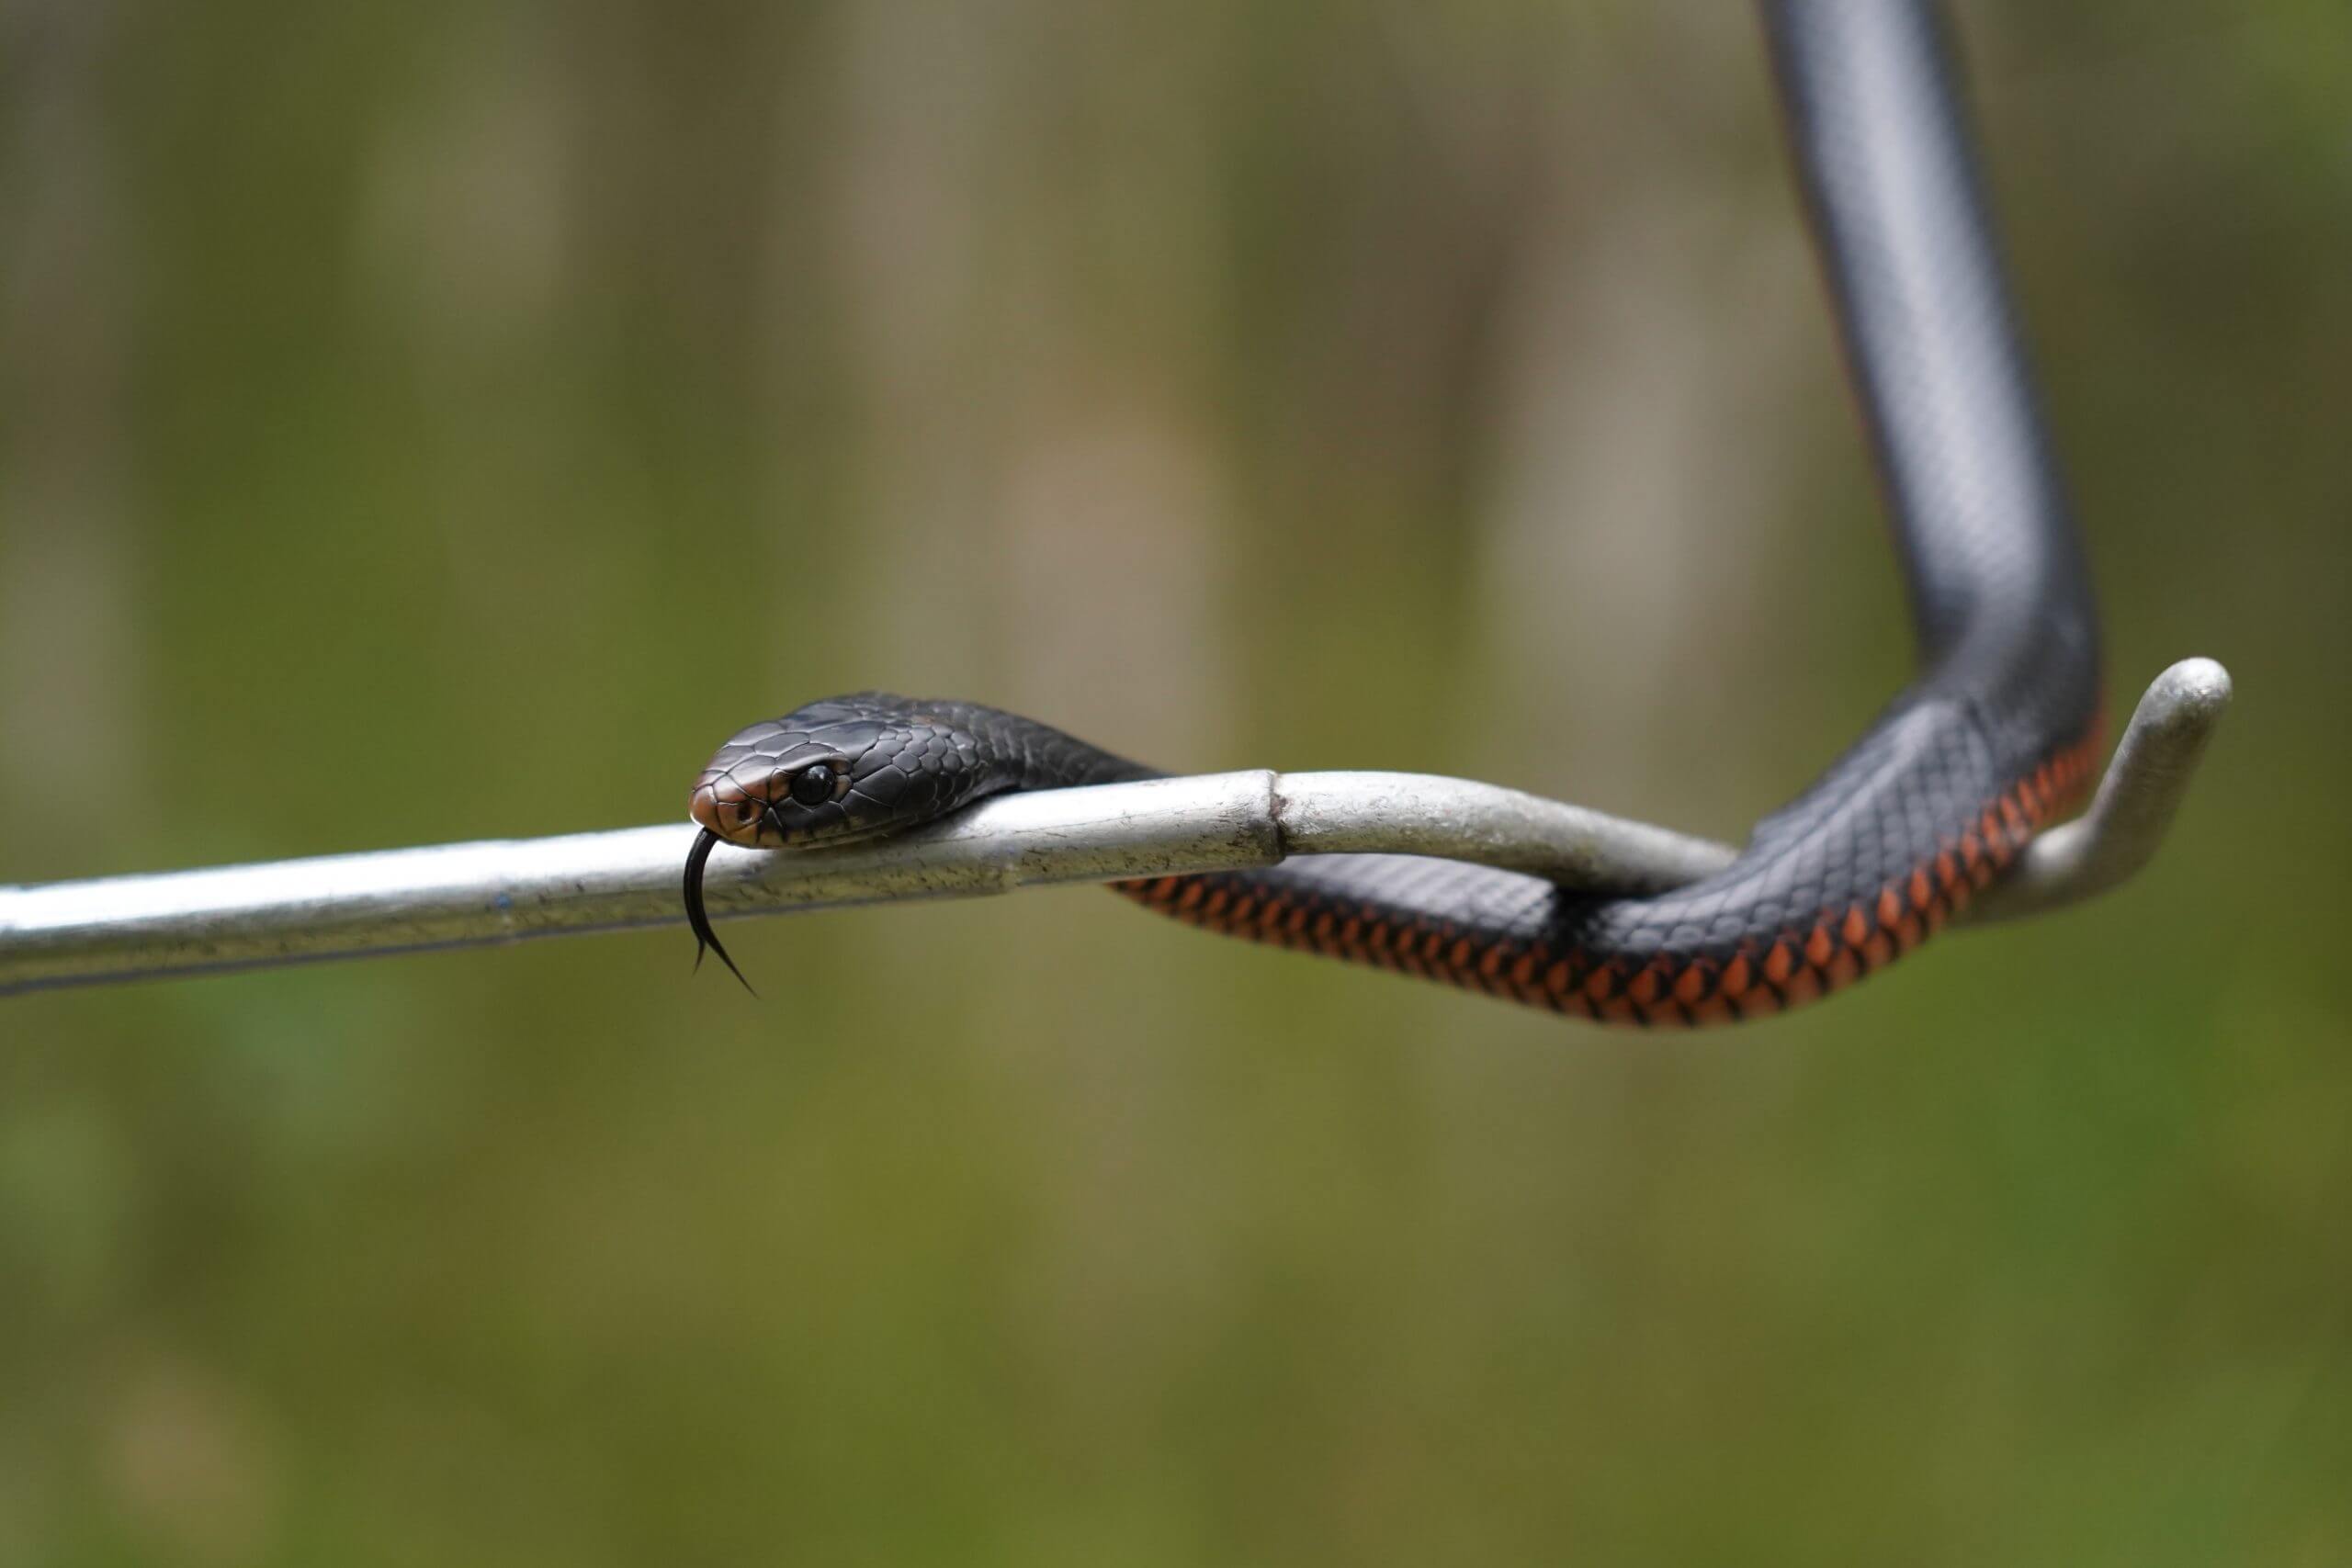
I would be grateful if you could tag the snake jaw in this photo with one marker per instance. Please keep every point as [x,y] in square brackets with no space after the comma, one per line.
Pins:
[698,918]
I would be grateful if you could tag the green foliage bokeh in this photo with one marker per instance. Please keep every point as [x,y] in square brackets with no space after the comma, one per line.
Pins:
[437,422]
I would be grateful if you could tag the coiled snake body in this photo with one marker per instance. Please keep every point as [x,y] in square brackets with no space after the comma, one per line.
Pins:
[1996,737]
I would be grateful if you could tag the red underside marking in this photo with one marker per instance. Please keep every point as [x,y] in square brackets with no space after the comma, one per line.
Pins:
[1768,975]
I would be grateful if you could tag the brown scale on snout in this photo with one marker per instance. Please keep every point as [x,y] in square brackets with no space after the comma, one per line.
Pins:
[738,812]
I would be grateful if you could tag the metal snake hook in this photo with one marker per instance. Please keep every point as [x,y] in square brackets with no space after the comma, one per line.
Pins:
[182,923]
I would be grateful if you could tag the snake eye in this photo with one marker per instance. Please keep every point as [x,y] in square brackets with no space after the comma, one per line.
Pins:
[813,785]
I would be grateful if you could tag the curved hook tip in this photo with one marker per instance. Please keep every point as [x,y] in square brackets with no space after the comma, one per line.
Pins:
[2146,781]
[2191,694]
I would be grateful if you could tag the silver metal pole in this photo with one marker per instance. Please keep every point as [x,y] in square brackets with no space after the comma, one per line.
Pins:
[185,922]
[125,927]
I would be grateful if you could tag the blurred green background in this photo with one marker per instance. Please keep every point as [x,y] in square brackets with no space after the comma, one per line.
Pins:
[449,420]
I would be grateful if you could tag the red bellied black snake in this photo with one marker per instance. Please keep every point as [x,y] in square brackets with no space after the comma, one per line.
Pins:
[1996,737]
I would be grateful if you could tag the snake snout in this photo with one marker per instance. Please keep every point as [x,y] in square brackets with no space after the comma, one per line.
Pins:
[738,812]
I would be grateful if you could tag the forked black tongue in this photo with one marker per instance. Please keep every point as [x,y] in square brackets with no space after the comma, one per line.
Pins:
[698,918]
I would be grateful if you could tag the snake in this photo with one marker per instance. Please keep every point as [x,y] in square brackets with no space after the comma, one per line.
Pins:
[1995,736]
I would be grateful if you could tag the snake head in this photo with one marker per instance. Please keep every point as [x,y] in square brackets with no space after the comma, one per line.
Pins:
[837,770]
[832,772]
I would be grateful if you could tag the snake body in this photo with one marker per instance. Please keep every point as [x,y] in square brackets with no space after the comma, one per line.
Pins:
[1996,737]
